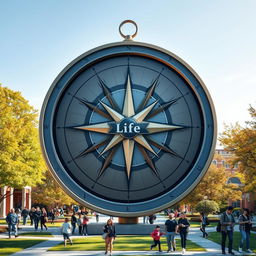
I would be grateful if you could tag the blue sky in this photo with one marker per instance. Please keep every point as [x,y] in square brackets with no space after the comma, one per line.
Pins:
[217,38]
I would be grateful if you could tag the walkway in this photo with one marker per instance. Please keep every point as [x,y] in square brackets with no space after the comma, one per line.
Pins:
[40,249]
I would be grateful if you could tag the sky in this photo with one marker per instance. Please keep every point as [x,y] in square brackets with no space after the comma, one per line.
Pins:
[217,38]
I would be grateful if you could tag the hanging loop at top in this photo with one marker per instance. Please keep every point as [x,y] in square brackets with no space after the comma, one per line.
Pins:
[128,37]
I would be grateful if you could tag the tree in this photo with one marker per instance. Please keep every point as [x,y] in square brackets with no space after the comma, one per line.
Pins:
[214,186]
[207,207]
[49,193]
[241,141]
[21,162]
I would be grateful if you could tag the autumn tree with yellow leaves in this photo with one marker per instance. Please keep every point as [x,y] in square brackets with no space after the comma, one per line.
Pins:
[241,141]
[21,162]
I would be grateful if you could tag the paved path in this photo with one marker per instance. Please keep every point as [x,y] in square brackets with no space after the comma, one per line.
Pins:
[41,248]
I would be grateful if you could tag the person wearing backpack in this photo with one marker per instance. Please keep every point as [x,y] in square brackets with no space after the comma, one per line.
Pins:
[227,221]
[245,225]
[204,223]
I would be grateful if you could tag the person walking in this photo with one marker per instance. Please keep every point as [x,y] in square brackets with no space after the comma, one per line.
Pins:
[171,227]
[227,221]
[73,222]
[97,216]
[66,231]
[183,230]
[24,215]
[18,212]
[204,222]
[156,235]
[245,224]
[85,225]
[110,231]
[12,221]
[31,215]
[44,219]
[37,217]
[52,216]
[80,223]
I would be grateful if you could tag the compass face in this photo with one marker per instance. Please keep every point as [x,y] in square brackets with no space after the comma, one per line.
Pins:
[128,129]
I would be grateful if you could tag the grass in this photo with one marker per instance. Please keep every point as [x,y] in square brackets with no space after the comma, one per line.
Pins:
[10,246]
[216,237]
[194,224]
[48,224]
[122,243]
[40,234]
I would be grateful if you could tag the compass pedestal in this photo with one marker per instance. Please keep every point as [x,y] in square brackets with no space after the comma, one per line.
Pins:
[128,220]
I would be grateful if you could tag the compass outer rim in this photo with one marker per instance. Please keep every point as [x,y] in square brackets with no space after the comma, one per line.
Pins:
[124,213]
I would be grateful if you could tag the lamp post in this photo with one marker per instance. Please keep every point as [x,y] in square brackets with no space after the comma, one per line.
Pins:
[205,198]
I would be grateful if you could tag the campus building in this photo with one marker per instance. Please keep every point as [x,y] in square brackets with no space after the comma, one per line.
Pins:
[14,198]
[222,159]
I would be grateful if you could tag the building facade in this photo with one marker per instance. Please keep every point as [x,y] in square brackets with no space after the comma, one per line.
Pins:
[14,198]
[222,159]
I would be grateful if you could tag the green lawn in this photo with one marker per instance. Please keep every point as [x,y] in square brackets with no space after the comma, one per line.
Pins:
[48,224]
[194,224]
[122,243]
[216,237]
[9,246]
[40,234]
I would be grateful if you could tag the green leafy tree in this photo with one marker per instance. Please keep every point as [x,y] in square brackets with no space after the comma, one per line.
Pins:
[241,141]
[207,207]
[21,162]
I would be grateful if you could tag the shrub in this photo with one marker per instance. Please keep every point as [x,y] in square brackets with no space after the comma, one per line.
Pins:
[207,207]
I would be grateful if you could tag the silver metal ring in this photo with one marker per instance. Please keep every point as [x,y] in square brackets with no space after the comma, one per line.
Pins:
[128,37]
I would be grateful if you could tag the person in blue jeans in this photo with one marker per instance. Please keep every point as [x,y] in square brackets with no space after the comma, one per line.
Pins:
[184,225]
[171,227]
[12,221]
[245,228]
[227,222]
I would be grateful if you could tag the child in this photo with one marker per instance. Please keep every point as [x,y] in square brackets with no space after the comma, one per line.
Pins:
[66,231]
[156,235]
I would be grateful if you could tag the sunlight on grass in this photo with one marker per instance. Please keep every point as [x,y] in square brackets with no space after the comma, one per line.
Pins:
[122,243]
[9,246]
[216,237]
[43,234]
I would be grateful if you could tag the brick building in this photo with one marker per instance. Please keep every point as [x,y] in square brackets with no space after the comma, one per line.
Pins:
[15,198]
[221,159]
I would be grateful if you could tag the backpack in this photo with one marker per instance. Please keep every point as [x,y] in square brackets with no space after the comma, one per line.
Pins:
[218,228]
[207,221]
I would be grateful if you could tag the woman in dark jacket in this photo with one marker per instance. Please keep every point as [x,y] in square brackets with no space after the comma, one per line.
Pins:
[183,224]
[44,219]
[110,231]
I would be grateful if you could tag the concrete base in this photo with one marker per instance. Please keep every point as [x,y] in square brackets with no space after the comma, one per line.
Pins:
[124,229]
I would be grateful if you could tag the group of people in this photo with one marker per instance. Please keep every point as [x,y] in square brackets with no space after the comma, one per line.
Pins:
[226,227]
[172,228]
[81,221]
[109,232]
[38,218]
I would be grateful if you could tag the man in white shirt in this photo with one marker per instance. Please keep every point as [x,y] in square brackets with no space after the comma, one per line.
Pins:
[66,231]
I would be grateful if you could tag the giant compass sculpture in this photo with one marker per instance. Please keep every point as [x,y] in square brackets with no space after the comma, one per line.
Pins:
[128,128]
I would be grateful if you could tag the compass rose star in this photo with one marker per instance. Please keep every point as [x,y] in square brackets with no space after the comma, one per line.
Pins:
[128,127]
